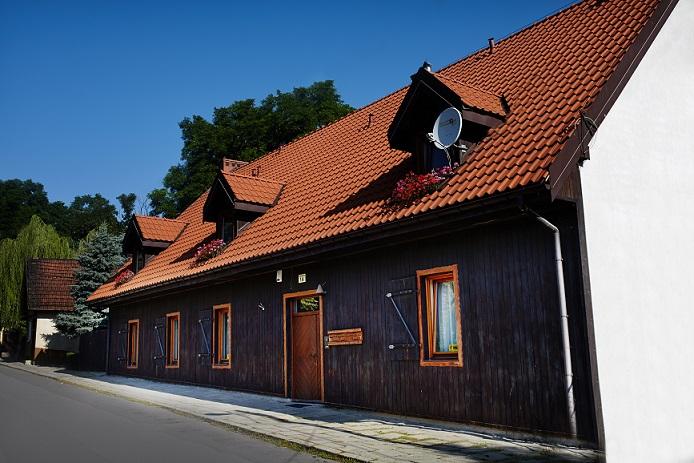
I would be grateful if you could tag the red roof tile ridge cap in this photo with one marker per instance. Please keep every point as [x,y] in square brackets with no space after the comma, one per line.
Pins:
[50,259]
[183,222]
[474,87]
[506,37]
[264,179]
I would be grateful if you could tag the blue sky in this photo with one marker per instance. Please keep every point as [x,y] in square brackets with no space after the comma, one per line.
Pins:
[91,93]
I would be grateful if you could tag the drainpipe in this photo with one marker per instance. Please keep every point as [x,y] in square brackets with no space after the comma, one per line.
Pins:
[108,336]
[570,403]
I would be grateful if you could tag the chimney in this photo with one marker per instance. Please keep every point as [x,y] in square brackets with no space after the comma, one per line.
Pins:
[229,165]
[491,45]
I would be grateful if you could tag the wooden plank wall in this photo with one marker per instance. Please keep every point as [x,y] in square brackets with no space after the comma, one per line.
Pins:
[512,374]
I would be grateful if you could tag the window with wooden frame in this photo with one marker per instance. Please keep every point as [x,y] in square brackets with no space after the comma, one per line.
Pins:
[439,317]
[133,343]
[173,339]
[221,336]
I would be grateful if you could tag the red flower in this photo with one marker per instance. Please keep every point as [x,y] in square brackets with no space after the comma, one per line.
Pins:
[124,277]
[209,250]
[415,186]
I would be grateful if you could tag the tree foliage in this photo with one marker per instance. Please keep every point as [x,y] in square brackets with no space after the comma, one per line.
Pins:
[244,130]
[34,240]
[127,206]
[99,259]
[20,199]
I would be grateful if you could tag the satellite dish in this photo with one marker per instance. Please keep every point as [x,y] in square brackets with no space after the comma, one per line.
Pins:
[447,128]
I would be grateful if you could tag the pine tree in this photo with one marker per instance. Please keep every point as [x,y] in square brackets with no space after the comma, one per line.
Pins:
[35,240]
[99,258]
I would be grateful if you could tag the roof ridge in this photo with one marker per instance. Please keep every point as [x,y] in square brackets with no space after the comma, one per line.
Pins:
[160,218]
[254,178]
[554,13]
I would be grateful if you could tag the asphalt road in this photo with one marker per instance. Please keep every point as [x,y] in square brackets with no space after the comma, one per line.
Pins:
[42,420]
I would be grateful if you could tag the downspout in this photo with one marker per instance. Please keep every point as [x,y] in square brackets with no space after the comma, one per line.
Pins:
[570,403]
[108,337]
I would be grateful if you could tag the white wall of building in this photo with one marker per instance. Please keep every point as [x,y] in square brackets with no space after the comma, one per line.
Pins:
[47,337]
[638,191]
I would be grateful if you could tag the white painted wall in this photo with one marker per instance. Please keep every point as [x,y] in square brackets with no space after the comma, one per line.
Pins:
[47,337]
[639,209]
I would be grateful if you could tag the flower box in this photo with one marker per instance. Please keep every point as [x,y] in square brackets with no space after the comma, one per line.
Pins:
[124,277]
[209,250]
[415,186]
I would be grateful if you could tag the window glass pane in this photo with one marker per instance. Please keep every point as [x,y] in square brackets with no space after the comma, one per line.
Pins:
[175,340]
[307,304]
[225,335]
[227,230]
[439,158]
[446,336]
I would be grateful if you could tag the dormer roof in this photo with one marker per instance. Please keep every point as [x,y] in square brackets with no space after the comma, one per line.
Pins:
[232,191]
[429,94]
[151,232]
[159,228]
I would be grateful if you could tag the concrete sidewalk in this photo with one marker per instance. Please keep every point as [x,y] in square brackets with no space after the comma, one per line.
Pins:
[345,433]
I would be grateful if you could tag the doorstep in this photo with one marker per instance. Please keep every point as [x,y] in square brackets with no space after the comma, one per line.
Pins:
[340,432]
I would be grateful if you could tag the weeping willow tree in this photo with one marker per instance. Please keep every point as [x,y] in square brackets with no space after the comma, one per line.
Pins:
[34,240]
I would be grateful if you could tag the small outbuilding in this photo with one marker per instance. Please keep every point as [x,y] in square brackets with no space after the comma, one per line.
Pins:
[48,284]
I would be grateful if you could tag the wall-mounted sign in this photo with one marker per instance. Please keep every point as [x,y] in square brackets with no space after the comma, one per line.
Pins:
[345,337]
[302,278]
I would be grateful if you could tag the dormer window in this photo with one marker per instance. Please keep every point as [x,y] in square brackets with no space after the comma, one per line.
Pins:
[430,94]
[139,260]
[228,229]
[147,236]
[235,201]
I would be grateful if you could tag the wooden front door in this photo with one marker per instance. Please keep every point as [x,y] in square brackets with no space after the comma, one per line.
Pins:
[306,352]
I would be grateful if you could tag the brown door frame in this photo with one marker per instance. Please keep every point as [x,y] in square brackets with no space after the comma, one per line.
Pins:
[287,326]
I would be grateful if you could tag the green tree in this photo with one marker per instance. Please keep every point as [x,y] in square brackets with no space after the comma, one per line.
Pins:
[87,212]
[244,130]
[19,200]
[127,205]
[100,258]
[34,240]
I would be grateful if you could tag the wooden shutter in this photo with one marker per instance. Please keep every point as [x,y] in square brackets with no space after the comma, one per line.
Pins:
[121,343]
[404,295]
[205,337]
[159,340]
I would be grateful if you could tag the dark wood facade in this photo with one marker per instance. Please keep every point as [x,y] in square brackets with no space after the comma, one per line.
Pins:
[512,372]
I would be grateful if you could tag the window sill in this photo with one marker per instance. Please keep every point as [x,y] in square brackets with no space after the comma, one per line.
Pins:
[221,366]
[172,366]
[131,367]
[452,362]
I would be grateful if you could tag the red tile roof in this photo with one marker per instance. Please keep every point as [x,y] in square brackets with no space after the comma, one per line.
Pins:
[49,282]
[547,72]
[474,97]
[253,189]
[158,228]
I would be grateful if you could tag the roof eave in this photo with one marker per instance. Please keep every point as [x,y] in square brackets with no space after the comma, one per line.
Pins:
[360,238]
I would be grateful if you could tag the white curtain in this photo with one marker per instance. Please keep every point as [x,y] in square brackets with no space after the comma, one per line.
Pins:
[445,316]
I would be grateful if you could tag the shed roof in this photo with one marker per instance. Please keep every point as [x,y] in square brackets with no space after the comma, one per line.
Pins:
[336,178]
